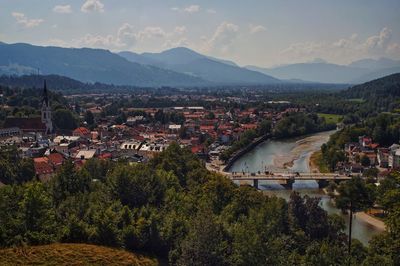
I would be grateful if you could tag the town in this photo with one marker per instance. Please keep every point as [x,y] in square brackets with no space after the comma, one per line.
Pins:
[136,134]
[137,137]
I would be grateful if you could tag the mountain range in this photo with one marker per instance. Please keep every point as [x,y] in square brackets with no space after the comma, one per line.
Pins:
[87,65]
[177,67]
[189,62]
[320,71]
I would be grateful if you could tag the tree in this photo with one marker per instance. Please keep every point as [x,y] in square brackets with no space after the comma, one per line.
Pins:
[69,181]
[64,119]
[354,196]
[204,244]
[37,215]
[89,117]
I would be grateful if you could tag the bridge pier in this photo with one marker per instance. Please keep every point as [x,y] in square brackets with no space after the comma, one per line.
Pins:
[322,183]
[289,184]
[255,183]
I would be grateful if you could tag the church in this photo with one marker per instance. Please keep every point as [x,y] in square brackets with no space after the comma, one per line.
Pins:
[19,125]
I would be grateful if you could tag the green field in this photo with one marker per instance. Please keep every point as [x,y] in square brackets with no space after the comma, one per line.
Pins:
[356,100]
[331,118]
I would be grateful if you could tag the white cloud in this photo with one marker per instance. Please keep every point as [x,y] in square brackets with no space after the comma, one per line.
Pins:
[211,11]
[344,50]
[126,35]
[379,41]
[25,21]
[63,9]
[180,30]
[222,39]
[192,9]
[151,32]
[189,9]
[92,6]
[256,28]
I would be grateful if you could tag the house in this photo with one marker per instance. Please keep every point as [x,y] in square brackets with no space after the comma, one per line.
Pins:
[394,158]
[25,124]
[86,154]
[43,169]
[9,132]
[365,141]
[82,132]
[383,157]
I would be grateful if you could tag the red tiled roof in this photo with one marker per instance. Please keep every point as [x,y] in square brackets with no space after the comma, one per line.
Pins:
[81,131]
[105,156]
[56,159]
[25,124]
[42,167]
[197,149]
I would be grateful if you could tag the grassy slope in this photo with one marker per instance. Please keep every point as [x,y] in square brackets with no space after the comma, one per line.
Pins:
[71,254]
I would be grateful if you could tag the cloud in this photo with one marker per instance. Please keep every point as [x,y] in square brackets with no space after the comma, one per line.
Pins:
[256,28]
[62,9]
[379,41]
[189,9]
[344,50]
[151,32]
[125,38]
[126,35]
[192,9]
[223,38]
[180,30]
[92,6]
[25,21]
[211,11]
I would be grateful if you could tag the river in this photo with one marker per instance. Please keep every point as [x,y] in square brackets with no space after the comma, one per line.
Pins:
[293,155]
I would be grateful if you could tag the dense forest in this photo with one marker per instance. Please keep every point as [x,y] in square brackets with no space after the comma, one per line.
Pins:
[172,207]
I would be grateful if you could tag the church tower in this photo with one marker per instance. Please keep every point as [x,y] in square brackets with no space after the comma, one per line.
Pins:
[46,111]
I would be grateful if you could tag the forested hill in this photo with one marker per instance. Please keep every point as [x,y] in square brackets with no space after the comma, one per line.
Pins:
[61,83]
[388,86]
[36,81]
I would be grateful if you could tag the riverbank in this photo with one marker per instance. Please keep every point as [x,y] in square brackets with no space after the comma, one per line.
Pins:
[380,225]
[243,151]
[363,216]
[317,164]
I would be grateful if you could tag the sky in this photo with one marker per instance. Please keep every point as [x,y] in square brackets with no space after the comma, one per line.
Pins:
[250,32]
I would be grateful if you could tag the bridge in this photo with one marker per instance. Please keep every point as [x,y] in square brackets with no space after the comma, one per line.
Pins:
[285,179]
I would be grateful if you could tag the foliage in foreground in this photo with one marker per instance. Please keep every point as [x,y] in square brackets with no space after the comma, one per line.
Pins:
[174,208]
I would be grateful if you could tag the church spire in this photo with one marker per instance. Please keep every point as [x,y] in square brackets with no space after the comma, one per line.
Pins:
[46,110]
[45,96]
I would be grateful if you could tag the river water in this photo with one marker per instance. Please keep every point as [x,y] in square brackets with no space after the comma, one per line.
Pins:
[292,155]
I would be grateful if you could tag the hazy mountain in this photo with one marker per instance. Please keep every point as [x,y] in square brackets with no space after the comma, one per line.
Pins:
[318,71]
[189,62]
[88,65]
[375,64]
[375,74]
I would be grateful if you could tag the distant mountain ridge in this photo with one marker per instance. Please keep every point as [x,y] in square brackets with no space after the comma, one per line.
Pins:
[319,71]
[89,65]
[184,60]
